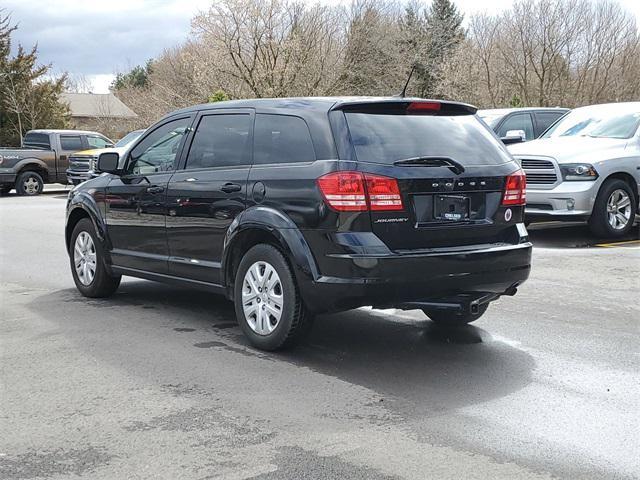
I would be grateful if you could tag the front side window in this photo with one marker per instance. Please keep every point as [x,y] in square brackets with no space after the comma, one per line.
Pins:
[282,139]
[519,121]
[98,142]
[71,142]
[220,141]
[158,151]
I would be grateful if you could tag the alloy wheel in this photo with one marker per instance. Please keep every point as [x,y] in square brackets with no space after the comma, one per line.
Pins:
[84,257]
[619,209]
[31,186]
[262,298]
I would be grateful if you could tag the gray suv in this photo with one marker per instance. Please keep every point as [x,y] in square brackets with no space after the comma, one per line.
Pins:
[586,167]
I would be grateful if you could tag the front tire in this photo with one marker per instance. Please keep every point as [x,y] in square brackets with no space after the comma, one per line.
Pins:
[268,305]
[29,183]
[614,210]
[88,267]
[443,318]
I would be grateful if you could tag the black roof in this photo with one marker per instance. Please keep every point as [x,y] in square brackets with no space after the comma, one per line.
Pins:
[310,104]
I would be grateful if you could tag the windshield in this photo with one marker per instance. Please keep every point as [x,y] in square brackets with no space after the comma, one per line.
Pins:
[128,138]
[596,123]
[381,138]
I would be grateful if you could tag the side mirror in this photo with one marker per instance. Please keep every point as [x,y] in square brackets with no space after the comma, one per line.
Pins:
[108,162]
[109,145]
[514,136]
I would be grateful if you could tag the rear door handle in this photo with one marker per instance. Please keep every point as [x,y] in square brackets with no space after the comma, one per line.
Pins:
[155,189]
[231,187]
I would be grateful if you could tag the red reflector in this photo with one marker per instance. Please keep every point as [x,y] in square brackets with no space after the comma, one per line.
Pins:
[425,107]
[344,191]
[515,189]
[383,193]
[354,192]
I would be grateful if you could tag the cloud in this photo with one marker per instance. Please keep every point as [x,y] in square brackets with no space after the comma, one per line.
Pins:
[99,38]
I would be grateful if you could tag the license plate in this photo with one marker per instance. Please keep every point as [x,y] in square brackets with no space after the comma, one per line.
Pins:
[453,208]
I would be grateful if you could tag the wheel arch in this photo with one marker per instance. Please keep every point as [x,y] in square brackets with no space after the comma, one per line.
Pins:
[83,206]
[628,179]
[262,225]
[33,165]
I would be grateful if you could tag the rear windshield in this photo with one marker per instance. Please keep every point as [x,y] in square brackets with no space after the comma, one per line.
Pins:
[37,140]
[381,138]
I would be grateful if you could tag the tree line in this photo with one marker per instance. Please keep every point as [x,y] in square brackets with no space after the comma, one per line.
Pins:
[536,53]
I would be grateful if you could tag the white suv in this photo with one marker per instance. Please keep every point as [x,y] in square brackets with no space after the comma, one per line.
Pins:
[586,167]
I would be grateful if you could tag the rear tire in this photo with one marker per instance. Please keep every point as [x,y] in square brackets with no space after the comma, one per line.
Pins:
[29,183]
[268,305]
[614,210]
[447,319]
[87,260]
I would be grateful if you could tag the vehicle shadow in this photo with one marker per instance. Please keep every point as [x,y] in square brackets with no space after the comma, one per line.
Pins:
[401,356]
[571,235]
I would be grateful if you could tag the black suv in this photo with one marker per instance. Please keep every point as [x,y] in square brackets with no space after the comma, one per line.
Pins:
[292,207]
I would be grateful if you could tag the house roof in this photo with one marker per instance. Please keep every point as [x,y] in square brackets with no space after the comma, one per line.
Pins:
[97,105]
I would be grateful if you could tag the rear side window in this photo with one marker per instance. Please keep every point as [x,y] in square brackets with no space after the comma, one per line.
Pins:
[70,142]
[220,141]
[37,140]
[518,121]
[282,139]
[382,138]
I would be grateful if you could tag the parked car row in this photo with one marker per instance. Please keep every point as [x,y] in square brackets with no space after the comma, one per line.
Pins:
[43,158]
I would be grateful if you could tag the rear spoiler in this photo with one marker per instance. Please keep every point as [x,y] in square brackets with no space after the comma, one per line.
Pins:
[403,106]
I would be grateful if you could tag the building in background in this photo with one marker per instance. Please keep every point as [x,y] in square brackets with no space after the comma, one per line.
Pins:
[103,113]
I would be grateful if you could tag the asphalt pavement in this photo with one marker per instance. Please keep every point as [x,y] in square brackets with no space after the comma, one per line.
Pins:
[158,382]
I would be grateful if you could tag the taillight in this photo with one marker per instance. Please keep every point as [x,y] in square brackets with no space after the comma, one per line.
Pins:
[383,193]
[344,191]
[355,191]
[424,107]
[515,189]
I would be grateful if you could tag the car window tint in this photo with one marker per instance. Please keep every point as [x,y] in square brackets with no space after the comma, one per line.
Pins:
[546,119]
[220,141]
[157,151]
[97,142]
[382,138]
[70,142]
[37,140]
[282,139]
[518,121]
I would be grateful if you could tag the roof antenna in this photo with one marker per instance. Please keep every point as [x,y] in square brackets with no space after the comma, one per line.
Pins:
[404,90]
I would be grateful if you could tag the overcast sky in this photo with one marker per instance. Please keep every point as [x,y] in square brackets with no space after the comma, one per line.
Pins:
[97,39]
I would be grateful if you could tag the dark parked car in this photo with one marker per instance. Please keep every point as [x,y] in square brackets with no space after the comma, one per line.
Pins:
[291,207]
[515,125]
[43,158]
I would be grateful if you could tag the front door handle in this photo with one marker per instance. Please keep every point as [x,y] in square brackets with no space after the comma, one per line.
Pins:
[231,187]
[155,189]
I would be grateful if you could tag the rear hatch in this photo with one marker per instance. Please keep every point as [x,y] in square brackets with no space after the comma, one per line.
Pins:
[450,171]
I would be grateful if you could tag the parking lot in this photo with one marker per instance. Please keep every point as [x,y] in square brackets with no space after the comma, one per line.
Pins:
[158,382]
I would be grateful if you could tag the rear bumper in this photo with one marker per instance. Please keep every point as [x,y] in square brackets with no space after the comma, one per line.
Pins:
[393,280]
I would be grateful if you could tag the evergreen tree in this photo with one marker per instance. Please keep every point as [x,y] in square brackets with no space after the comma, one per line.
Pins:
[138,76]
[28,100]
[428,37]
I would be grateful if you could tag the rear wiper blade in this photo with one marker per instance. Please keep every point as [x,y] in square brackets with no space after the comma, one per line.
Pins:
[451,164]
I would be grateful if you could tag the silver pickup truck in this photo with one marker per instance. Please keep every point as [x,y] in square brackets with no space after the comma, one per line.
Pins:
[586,167]
[43,158]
